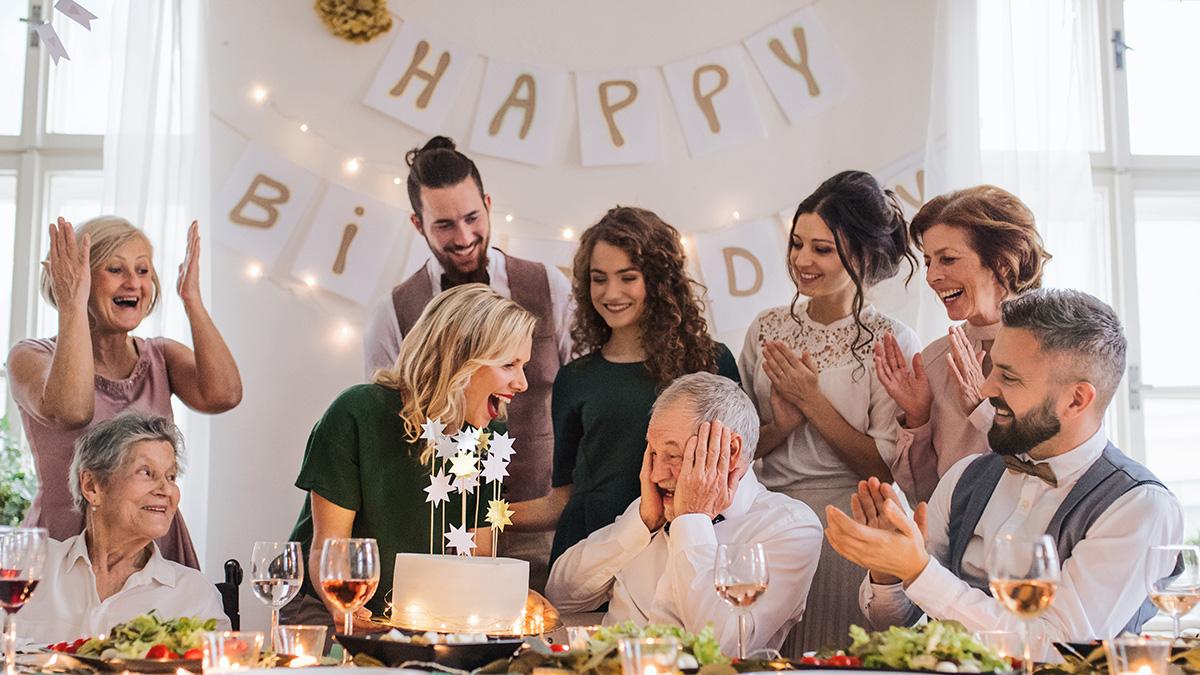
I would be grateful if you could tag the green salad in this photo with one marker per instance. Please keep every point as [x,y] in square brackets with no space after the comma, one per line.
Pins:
[703,645]
[134,638]
[927,647]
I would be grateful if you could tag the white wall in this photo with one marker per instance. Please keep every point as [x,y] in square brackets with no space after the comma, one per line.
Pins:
[286,342]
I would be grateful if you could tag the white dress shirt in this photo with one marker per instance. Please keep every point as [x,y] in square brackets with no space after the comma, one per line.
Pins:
[382,337]
[1102,582]
[656,577]
[65,605]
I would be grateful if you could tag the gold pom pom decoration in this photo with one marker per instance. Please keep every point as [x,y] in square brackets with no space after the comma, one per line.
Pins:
[355,20]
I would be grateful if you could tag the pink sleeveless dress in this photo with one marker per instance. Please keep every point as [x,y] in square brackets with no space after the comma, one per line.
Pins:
[148,390]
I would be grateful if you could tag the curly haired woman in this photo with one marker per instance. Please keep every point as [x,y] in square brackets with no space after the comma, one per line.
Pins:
[638,325]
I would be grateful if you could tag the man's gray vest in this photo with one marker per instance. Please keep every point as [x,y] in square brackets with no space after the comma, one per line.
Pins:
[1106,480]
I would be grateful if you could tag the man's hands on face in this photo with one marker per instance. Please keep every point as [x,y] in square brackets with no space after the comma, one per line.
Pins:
[880,536]
[706,482]
[651,508]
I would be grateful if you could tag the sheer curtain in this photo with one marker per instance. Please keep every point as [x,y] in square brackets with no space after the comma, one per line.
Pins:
[1015,103]
[156,175]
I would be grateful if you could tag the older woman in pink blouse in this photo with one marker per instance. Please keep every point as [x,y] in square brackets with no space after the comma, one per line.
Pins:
[980,246]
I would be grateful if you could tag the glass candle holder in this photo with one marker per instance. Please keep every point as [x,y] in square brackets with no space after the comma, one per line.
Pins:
[1138,655]
[648,656]
[306,644]
[229,651]
[578,637]
[1005,643]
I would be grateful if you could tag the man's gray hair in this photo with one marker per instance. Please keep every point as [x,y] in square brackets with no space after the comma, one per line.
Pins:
[105,448]
[1078,324]
[713,397]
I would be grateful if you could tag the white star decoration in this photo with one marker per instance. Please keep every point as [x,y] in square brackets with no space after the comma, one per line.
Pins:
[464,464]
[466,484]
[439,488]
[446,447]
[494,469]
[462,541]
[467,439]
[432,430]
[501,446]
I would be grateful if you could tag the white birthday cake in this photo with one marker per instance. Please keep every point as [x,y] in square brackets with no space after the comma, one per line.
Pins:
[459,594]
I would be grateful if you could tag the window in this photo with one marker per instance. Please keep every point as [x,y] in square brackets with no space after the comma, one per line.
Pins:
[1149,174]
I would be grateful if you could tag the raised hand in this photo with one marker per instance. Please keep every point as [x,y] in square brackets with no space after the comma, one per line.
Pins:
[908,388]
[967,367]
[651,508]
[705,483]
[69,266]
[794,377]
[188,284]
[784,414]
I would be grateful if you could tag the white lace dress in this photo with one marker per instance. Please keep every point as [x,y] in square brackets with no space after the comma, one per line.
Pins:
[805,466]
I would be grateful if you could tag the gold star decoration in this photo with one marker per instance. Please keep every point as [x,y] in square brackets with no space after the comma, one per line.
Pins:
[464,464]
[498,514]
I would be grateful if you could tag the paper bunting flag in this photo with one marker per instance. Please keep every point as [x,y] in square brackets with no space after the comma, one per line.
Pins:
[495,468]
[54,46]
[462,541]
[439,488]
[498,514]
[75,12]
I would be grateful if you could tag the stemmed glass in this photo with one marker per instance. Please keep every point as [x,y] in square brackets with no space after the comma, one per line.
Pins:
[276,573]
[1173,580]
[1024,573]
[22,554]
[741,576]
[349,575]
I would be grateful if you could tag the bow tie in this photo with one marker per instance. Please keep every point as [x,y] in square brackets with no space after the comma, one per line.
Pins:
[1041,470]
[719,518]
[477,277]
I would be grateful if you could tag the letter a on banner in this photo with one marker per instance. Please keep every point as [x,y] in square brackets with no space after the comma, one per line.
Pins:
[800,63]
[713,101]
[420,79]
[260,204]
[520,107]
[618,116]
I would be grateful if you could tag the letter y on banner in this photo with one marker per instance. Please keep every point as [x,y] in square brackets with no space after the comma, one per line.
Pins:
[799,61]
[262,200]
[420,79]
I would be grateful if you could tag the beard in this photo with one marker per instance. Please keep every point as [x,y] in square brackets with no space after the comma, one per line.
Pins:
[1024,433]
[457,275]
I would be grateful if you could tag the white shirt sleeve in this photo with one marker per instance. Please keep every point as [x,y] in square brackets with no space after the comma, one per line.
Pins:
[582,577]
[563,304]
[691,563]
[381,336]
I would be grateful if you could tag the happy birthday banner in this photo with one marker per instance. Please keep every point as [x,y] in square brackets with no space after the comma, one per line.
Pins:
[520,106]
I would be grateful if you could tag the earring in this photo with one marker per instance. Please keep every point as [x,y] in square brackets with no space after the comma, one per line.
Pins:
[95,507]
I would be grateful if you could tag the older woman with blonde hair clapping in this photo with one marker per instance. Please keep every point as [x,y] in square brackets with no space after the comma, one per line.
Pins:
[103,283]
[123,479]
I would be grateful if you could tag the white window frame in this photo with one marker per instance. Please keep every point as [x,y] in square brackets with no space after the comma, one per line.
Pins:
[1119,174]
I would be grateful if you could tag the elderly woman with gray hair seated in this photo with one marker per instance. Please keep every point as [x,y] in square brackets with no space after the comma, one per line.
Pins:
[655,564]
[123,479]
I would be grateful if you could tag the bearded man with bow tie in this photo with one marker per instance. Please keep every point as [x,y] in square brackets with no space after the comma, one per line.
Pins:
[1057,362]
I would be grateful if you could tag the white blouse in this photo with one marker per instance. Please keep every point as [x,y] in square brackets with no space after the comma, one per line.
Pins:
[849,383]
[65,604]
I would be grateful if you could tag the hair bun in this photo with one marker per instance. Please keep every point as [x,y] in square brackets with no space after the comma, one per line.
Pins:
[435,143]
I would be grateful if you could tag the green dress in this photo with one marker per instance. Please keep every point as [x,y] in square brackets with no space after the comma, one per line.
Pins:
[359,458]
[601,411]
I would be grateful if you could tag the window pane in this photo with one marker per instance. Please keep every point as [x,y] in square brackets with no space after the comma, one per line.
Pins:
[8,219]
[1171,452]
[1082,251]
[74,195]
[1164,101]
[77,101]
[14,38]
[1167,235]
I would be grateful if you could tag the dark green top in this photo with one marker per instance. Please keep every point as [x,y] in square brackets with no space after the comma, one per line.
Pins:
[601,411]
[358,458]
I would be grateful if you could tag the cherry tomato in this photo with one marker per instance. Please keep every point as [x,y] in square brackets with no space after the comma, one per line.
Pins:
[60,647]
[855,661]
[839,660]
[810,661]
[193,654]
[158,651]
[556,648]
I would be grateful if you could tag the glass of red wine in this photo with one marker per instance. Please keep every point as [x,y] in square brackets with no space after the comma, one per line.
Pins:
[349,575]
[22,555]
[741,577]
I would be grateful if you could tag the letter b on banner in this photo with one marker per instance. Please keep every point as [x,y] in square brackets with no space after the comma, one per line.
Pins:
[262,201]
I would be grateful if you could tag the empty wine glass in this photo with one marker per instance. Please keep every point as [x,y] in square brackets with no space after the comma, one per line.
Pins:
[22,555]
[276,573]
[1024,573]
[1173,580]
[349,575]
[741,576]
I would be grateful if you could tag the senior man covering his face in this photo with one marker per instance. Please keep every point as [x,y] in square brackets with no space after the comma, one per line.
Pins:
[655,563]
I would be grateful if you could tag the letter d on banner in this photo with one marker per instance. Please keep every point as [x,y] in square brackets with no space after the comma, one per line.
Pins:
[736,291]
[745,271]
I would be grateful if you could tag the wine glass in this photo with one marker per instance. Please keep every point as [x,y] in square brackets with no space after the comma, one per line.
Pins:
[349,575]
[1173,580]
[276,573]
[741,576]
[1024,573]
[22,554]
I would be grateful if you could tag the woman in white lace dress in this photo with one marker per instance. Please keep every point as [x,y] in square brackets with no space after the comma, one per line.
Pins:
[827,421]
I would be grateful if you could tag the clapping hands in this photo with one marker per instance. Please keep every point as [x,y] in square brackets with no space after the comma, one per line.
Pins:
[69,266]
